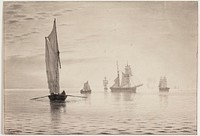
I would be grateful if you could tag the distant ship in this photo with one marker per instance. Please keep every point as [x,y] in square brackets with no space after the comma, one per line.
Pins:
[125,85]
[86,88]
[163,85]
[105,83]
[53,64]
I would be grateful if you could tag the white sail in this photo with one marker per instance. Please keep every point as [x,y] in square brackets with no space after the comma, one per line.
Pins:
[160,82]
[163,82]
[125,82]
[105,82]
[116,84]
[128,70]
[86,86]
[52,60]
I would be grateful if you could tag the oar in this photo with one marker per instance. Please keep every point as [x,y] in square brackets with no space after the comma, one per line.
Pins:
[47,96]
[77,96]
[39,97]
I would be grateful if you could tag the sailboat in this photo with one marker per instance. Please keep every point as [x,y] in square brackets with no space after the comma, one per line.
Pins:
[86,88]
[125,85]
[163,85]
[105,83]
[53,65]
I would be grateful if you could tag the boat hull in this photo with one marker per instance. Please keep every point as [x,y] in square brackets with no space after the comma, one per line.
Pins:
[166,89]
[85,92]
[57,97]
[120,89]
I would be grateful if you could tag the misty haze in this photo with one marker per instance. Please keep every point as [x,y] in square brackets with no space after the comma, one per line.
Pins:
[104,48]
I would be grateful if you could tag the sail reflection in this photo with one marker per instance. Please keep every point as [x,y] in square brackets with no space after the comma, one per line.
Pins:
[56,110]
[88,98]
[116,95]
[128,96]
[163,99]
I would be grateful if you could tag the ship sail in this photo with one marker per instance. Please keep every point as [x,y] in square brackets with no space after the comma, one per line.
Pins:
[128,70]
[125,85]
[160,82]
[163,82]
[105,82]
[125,82]
[52,60]
[116,84]
[163,85]
[86,86]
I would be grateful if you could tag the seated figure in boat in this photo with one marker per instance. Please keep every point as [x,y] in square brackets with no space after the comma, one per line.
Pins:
[63,92]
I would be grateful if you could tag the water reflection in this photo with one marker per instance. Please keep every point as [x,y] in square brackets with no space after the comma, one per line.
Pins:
[106,93]
[163,99]
[56,111]
[128,96]
[116,95]
[88,98]
[105,89]
[125,96]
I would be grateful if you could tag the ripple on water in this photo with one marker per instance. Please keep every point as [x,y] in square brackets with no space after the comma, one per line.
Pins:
[168,127]
[12,131]
[148,133]
[138,131]
[29,132]
[104,133]
[161,131]
[185,131]
[185,128]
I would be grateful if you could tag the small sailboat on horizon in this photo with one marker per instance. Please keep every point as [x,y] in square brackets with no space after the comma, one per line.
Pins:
[163,85]
[86,88]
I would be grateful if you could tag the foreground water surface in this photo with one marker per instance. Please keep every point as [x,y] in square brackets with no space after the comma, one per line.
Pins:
[102,112]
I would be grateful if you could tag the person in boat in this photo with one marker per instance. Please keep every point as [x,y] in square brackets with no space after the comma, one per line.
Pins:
[63,92]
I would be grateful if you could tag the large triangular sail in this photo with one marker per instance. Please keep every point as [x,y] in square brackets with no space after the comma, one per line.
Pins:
[52,60]
[117,83]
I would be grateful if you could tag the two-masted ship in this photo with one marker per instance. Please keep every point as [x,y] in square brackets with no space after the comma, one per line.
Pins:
[125,85]
[163,85]
[86,88]
[105,83]
[53,65]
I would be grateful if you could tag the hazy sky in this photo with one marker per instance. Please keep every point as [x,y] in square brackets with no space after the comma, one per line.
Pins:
[156,38]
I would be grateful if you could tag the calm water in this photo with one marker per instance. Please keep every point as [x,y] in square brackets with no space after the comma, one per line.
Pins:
[146,112]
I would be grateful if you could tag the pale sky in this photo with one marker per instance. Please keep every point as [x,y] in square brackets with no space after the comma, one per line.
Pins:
[156,38]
